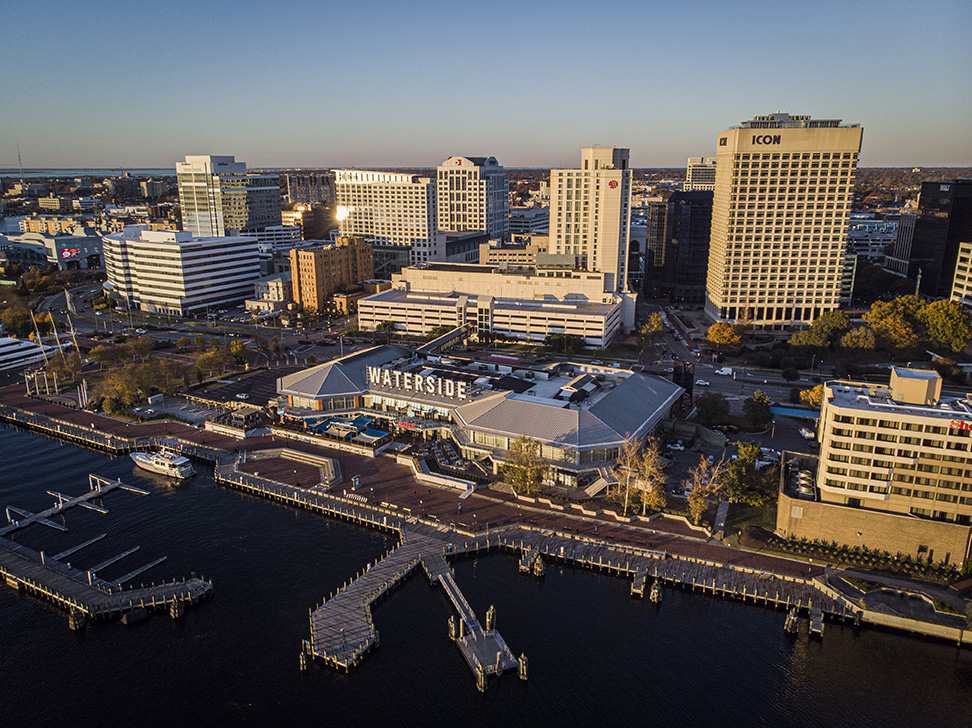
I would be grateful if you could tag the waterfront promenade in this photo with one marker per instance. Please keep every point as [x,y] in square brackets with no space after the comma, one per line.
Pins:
[431,527]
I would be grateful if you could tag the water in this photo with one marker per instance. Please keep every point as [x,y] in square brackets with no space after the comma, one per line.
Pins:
[596,655]
[97,173]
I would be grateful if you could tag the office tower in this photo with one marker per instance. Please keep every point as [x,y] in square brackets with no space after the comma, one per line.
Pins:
[700,174]
[590,213]
[308,188]
[898,260]
[393,211]
[942,223]
[169,272]
[218,197]
[783,192]
[319,272]
[473,194]
[677,245]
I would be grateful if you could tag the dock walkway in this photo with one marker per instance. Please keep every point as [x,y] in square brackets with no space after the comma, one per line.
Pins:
[83,593]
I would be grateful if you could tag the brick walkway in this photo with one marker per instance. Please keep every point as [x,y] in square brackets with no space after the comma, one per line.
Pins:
[383,480]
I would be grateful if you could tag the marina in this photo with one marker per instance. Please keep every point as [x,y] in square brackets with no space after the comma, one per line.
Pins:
[271,564]
[342,631]
[84,594]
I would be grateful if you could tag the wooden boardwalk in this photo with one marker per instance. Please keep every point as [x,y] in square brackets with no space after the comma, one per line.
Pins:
[83,593]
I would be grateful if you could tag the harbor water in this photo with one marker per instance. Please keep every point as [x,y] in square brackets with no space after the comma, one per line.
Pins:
[596,656]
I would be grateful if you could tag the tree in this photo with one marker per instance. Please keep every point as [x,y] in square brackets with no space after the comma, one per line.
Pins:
[16,321]
[107,356]
[566,344]
[723,334]
[525,465]
[947,323]
[713,408]
[385,327]
[812,397]
[653,327]
[237,349]
[435,332]
[651,479]
[860,338]
[703,480]
[897,323]
[757,409]
[183,342]
[833,324]
[628,464]
[139,348]
[813,338]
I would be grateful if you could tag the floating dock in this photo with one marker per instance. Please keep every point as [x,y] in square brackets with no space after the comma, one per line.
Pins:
[83,593]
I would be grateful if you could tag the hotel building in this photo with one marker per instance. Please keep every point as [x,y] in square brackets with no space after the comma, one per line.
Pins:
[395,211]
[473,195]
[895,469]
[783,191]
[590,213]
[169,272]
[700,175]
[219,197]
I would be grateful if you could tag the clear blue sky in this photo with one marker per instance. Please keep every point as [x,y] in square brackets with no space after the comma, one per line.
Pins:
[372,83]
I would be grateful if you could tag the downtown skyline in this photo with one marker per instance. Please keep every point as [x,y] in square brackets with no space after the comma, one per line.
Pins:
[397,85]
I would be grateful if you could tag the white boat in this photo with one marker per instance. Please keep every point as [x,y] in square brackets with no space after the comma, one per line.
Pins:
[20,353]
[164,463]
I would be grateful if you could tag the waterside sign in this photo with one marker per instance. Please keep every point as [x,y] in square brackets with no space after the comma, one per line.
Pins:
[409,382]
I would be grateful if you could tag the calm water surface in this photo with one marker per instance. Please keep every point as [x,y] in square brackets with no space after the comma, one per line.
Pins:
[597,657]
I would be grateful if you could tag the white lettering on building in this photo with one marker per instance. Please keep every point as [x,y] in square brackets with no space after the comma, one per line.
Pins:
[409,382]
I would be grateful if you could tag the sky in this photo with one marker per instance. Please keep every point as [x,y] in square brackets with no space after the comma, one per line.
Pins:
[380,84]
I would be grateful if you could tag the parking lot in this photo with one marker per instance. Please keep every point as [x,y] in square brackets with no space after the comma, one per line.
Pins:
[256,389]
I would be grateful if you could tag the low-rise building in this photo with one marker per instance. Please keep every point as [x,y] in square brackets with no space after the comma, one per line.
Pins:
[525,303]
[895,470]
[580,414]
[271,293]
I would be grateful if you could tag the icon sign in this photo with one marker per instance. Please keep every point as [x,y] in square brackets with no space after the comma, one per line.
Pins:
[612,184]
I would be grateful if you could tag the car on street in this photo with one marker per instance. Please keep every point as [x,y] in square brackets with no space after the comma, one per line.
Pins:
[701,383]
[242,395]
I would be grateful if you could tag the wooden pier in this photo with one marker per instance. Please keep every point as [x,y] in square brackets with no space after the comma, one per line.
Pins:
[83,593]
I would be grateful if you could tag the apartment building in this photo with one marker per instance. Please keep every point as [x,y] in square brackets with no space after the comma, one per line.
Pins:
[317,273]
[895,469]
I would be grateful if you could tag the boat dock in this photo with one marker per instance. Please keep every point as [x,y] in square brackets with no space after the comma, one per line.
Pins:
[85,595]
[342,630]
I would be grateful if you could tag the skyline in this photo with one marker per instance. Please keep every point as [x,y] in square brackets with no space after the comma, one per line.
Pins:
[390,85]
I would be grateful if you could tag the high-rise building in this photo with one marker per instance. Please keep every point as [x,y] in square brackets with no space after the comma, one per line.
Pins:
[473,194]
[700,174]
[590,213]
[308,188]
[677,244]
[942,223]
[319,272]
[218,197]
[169,272]
[783,191]
[393,211]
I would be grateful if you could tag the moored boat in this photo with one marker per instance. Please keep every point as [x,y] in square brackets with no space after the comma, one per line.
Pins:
[164,463]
